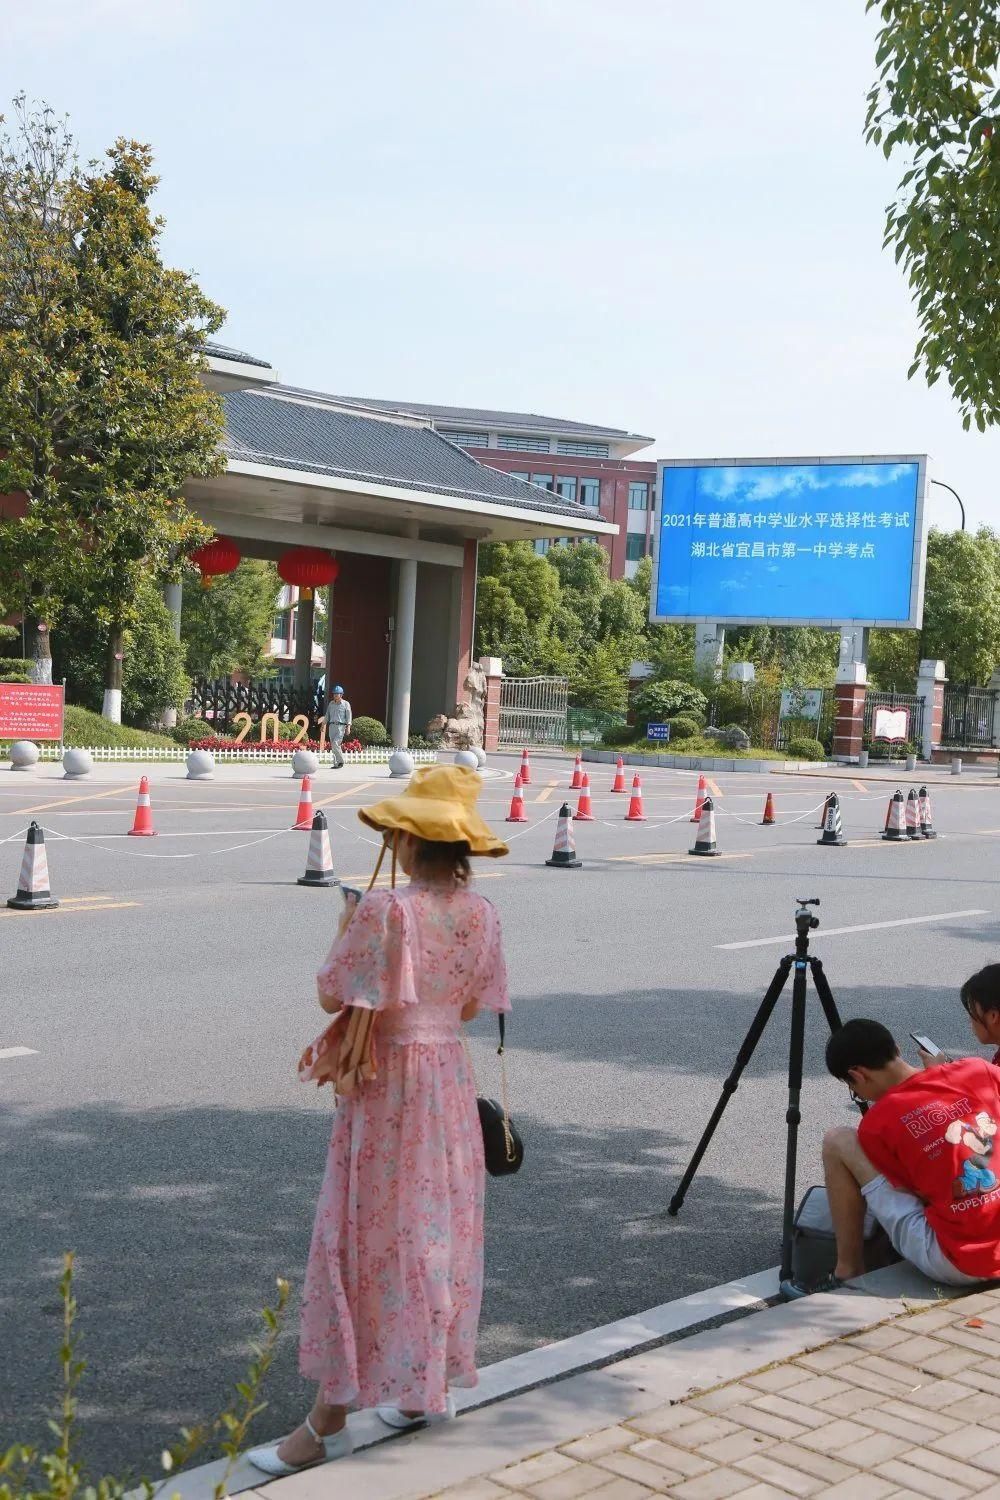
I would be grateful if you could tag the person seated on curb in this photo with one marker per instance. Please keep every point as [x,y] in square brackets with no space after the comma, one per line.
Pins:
[980,997]
[920,1161]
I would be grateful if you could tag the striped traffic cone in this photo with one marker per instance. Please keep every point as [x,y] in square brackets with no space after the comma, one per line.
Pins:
[564,849]
[525,769]
[926,816]
[768,819]
[619,782]
[704,839]
[895,832]
[912,815]
[517,813]
[577,780]
[826,808]
[833,832]
[888,816]
[304,816]
[635,813]
[319,860]
[33,892]
[584,812]
[699,798]
[142,827]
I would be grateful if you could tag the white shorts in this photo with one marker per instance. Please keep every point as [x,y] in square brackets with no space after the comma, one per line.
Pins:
[904,1219]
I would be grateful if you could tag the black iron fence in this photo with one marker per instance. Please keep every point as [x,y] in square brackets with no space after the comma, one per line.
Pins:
[876,725]
[220,698]
[969,717]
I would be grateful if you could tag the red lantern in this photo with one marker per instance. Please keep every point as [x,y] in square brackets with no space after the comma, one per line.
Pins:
[220,555]
[308,568]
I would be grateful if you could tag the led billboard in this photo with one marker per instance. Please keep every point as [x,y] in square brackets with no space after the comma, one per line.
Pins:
[789,541]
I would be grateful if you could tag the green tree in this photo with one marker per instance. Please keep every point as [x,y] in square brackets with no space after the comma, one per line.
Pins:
[937,101]
[598,681]
[154,675]
[227,628]
[962,603]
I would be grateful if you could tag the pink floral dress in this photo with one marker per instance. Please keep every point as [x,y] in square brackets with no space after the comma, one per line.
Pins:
[390,1308]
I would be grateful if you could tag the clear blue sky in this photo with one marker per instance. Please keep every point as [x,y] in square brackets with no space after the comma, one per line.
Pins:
[655,214]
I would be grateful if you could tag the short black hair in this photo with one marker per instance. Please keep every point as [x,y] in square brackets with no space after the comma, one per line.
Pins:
[860,1044]
[982,991]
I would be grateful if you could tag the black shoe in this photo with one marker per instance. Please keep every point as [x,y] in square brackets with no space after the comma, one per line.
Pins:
[792,1291]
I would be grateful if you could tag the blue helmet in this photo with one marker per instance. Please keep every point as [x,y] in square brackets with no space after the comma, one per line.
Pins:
[338,688]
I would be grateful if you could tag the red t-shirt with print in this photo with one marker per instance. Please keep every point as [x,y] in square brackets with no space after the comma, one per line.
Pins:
[934,1135]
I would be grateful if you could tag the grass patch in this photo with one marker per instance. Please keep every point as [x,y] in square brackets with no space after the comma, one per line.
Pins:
[698,750]
[92,731]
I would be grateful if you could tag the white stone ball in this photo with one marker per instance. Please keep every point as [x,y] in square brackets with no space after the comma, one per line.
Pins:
[77,763]
[401,763]
[304,763]
[480,755]
[467,758]
[23,755]
[200,765]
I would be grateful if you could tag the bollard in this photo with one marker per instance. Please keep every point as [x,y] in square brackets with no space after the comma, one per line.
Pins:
[863,760]
[911,762]
[956,765]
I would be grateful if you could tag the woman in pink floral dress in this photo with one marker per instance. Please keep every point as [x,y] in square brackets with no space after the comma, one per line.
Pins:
[390,1309]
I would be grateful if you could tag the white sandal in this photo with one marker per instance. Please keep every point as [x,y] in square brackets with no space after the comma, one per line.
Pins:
[340,1445]
[394,1418]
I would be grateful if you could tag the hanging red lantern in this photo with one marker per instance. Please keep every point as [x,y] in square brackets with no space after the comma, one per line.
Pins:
[308,568]
[220,555]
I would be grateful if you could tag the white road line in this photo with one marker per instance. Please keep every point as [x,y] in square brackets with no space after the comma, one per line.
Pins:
[825,932]
[6,1052]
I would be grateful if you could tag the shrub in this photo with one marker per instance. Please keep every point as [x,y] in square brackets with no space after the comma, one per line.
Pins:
[14,677]
[618,735]
[416,742]
[15,664]
[683,727]
[82,727]
[186,731]
[805,749]
[657,701]
[370,731]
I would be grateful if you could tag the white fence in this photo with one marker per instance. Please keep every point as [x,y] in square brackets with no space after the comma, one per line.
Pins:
[370,756]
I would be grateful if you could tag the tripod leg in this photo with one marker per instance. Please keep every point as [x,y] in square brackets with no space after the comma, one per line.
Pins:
[793,1115]
[731,1084]
[825,994]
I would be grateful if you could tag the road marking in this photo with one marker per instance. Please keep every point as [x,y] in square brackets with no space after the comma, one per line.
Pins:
[860,786]
[70,911]
[349,791]
[115,791]
[544,795]
[6,1052]
[937,916]
[677,857]
[713,787]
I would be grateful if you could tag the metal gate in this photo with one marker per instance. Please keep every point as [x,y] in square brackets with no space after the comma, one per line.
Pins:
[885,749]
[221,698]
[969,717]
[534,711]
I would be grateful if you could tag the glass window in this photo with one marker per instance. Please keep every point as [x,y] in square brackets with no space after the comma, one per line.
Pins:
[590,492]
[566,486]
[465,439]
[519,474]
[576,449]
[542,545]
[517,443]
[544,481]
[279,627]
[635,546]
[638,495]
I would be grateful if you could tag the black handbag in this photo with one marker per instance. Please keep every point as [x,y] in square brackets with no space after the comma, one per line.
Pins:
[502,1146]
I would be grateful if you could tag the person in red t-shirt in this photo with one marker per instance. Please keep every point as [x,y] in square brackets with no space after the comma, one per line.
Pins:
[921,1161]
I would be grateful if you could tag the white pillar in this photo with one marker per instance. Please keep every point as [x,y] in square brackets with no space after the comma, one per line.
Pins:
[931,679]
[402,662]
[853,648]
[173,598]
[709,644]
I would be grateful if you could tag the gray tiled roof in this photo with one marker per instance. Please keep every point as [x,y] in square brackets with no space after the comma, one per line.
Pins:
[529,421]
[267,427]
[222,351]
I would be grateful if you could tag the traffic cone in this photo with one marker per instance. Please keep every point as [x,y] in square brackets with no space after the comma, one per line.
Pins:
[826,807]
[888,816]
[577,780]
[619,781]
[319,860]
[926,816]
[895,832]
[564,849]
[699,798]
[833,832]
[912,815]
[704,839]
[304,816]
[142,827]
[33,892]
[517,813]
[525,769]
[635,813]
[768,819]
[584,812]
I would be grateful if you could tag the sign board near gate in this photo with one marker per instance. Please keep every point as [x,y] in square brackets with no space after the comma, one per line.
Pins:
[31,711]
[891,724]
[657,731]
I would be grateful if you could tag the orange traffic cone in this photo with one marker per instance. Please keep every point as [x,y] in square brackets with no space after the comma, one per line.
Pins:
[33,892]
[143,825]
[525,769]
[619,781]
[517,813]
[584,812]
[768,819]
[635,813]
[699,798]
[304,816]
[577,781]
[704,839]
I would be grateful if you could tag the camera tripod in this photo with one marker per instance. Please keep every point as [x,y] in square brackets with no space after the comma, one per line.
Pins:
[801,961]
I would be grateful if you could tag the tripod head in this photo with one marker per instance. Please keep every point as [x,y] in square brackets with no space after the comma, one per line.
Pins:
[805,922]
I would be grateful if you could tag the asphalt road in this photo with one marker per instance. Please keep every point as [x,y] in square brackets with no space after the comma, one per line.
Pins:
[158,1129]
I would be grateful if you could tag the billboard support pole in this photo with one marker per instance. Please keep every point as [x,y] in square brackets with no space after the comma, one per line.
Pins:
[709,645]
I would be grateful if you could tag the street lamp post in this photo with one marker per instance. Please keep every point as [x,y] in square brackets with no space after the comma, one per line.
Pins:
[943,486]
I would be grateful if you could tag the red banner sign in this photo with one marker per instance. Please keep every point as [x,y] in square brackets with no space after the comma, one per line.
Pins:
[31,711]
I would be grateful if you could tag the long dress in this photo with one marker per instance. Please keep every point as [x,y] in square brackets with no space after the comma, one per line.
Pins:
[393,1287]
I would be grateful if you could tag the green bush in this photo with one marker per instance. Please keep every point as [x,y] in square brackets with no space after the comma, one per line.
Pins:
[82,727]
[805,749]
[618,735]
[657,701]
[16,664]
[683,727]
[14,677]
[418,742]
[185,731]
[369,731]
[285,732]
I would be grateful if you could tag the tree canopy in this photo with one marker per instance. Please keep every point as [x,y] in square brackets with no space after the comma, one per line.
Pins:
[227,628]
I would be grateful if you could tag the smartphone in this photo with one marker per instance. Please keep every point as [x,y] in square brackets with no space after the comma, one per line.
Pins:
[925,1044]
[351,896]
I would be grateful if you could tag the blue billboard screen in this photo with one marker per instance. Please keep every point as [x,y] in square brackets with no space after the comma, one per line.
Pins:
[790,542]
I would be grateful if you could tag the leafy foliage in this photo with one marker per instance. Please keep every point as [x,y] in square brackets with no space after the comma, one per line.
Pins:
[82,727]
[657,701]
[369,731]
[684,727]
[805,749]
[153,677]
[227,628]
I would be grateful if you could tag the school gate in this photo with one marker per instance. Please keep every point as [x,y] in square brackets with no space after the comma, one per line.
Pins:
[534,711]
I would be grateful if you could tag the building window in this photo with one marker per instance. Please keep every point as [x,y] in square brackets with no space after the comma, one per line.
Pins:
[635,546]
[518,444]
[544,481]
[566,486]
[279,628]
[542,545]
[638,495]
[519,474]
[581,450]
[466,439]
[590,492]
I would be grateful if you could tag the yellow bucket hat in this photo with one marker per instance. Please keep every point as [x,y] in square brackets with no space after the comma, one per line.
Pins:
[438,805]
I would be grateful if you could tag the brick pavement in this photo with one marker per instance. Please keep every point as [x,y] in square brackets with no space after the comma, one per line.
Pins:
[905,1409]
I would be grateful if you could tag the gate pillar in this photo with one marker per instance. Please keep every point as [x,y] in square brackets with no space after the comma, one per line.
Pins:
[930,686]
[493,667]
